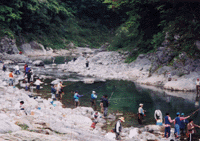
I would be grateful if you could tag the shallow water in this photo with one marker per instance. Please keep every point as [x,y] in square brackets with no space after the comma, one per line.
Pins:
[126,98]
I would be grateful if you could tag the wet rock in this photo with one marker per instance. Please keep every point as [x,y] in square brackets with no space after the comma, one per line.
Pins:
[38,63]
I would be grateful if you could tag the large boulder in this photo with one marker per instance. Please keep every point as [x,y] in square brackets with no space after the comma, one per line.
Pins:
[38,63]
[33,49]
[7,126]
[8,45]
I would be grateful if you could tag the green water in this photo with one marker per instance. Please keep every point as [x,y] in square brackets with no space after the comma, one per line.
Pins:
[126,98]
[58,60]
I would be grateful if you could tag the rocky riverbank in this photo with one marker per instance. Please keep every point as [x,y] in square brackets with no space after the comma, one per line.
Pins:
[42,120]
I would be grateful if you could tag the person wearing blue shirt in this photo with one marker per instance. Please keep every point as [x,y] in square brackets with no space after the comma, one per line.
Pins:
[76,98]
[183,125]
[93,99]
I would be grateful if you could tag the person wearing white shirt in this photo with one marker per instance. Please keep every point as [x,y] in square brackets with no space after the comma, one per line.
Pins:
[118,127]
[17,70]
[37,83]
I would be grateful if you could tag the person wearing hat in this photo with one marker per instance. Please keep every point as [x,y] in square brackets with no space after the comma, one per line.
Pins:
[93,100]
[177,124]
[183,123]
[118,127]
[140,113]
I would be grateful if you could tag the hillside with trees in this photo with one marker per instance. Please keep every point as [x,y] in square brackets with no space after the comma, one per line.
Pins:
[139,26]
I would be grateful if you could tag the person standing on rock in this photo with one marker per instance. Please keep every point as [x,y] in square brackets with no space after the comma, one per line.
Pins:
[118,127]
[25,66]
[168,122]
[4,67]
[140,113]
[76,98]
[17,70]
[11,78]
[29,76]
[93,99]
[197,85]
[37,83]
[169,76]
[105,106]
[87,63]
[177,123]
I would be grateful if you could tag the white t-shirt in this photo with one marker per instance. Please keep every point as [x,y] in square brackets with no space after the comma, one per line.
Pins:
[59,86]
[38,82]
[17,67]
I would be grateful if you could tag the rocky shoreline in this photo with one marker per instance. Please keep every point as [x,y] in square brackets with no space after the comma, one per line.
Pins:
[46,121]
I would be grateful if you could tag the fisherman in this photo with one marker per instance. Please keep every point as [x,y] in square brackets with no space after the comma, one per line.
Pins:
[167,121]
[118,127]
[37,83]
[76,98]
[60,89]
[11,78]
[101,104]
[183,123]
[177,123]
[158,117]
[93,99]
[53,92]
[191,130]
[105,105]
[140,113]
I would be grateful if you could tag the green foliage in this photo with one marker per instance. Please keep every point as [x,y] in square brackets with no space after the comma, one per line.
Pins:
[158,39]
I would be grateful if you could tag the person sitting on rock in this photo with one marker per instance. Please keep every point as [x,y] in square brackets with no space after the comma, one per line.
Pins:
[95,121]
[17,70]
[76,98]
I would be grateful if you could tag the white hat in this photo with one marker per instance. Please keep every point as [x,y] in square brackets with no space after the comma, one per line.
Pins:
[93,92]
[122,119]
[140,104]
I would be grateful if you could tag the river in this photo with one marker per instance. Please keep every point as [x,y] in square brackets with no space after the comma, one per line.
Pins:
[126,97]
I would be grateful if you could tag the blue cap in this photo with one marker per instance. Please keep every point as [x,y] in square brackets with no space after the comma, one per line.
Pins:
[177,113]
[182,114]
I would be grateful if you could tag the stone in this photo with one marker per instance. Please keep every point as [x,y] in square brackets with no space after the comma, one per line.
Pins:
[25,135]
[133,132]
[110,136]
[7,127]
[38,63]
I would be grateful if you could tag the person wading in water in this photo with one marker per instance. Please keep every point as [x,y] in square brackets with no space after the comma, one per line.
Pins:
[140,113]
